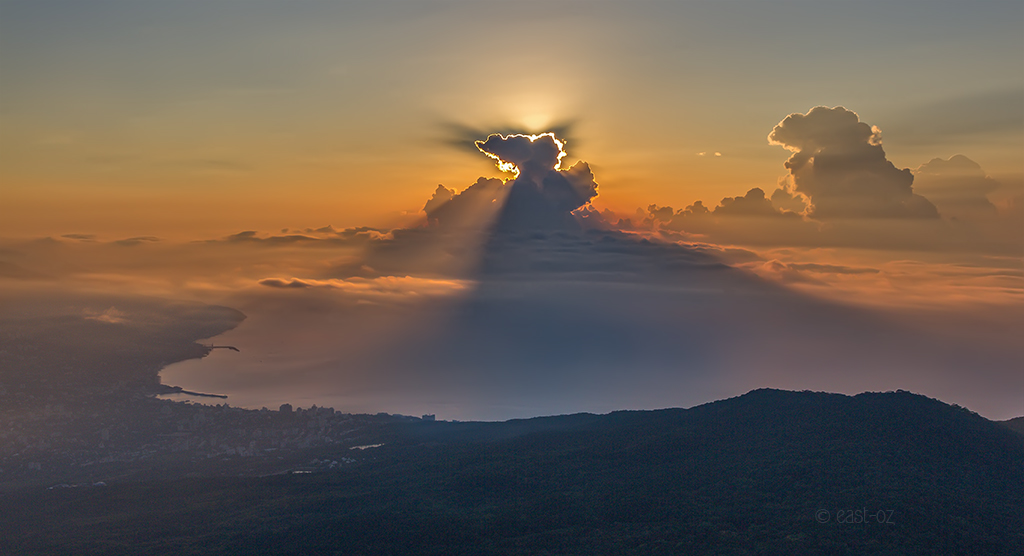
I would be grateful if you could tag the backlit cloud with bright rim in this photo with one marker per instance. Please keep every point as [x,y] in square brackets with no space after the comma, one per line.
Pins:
[517,150]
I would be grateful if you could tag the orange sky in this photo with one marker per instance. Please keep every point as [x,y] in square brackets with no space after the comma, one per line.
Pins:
[117,121]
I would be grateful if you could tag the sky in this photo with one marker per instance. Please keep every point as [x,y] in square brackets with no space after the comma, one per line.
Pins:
[809,195]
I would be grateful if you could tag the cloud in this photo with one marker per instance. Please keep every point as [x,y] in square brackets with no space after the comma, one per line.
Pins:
[787,200]
[805,273]
[128,242]
[832,268]
[525,155]
[325,236]
[285,283]
[843,192]
[442,195]
[475,206]
[753,203]
[699,219]
[466,137]
[110,316]
[839,164]
[384,286]
[786,273]
[252,236]
[542,197]
[958,187]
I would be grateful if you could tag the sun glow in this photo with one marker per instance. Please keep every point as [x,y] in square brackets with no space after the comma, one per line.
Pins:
[536,121]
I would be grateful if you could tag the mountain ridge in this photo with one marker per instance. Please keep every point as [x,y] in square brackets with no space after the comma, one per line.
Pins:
[768,472]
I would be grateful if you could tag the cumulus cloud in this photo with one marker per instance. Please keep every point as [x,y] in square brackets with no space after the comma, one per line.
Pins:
[699,219]
[843,192]
[525,155]
[754,203]
[542,196]
[839,164]
[477,205]
[785,199]
[958,187]
[442,195]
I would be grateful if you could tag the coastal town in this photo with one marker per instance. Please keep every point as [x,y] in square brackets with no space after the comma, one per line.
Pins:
[97,436]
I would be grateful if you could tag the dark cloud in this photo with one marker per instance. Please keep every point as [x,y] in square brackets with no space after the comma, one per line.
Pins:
[325,236]
[958,187]
[128,242]
[542,197]
[279,283]
[440,197]
[80,237]
[840,166]
[531,156]
[475,206]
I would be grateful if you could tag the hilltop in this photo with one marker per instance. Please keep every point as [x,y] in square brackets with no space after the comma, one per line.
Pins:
[767,472]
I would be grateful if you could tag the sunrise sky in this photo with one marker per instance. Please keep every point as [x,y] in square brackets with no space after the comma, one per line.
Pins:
[190,118]
[198,151]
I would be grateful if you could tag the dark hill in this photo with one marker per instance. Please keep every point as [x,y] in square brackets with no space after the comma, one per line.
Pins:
[770,472]
[1016,424]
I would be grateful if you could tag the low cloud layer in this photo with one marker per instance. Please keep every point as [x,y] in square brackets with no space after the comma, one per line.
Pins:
[375,289]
